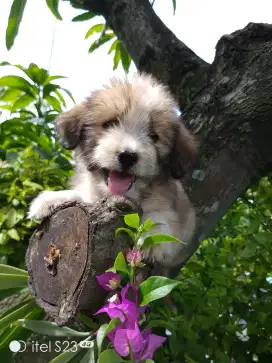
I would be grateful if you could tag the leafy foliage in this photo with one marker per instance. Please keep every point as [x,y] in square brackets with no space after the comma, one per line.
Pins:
[224,301]
[31,159]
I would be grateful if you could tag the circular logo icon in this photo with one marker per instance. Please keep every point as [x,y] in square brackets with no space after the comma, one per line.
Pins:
[15,346]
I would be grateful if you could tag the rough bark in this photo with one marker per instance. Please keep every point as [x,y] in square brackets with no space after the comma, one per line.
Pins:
[67,251]
[228,104]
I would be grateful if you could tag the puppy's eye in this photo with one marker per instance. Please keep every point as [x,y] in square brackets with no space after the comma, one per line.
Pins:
[154,137]
[110,123]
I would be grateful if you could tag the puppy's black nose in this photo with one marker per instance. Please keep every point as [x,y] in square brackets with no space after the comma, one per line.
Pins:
[127,158]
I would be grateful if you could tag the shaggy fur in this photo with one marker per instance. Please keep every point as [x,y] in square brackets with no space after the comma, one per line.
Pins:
[129,140]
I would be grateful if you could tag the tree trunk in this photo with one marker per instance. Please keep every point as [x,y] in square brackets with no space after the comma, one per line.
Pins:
[228,105]
[67,251]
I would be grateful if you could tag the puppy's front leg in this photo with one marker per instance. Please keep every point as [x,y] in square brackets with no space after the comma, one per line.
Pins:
[43,205]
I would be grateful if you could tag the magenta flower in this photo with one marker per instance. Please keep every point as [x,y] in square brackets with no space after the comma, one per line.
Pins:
[127,341]
[151,343]
[109,281]
[123,309]
[134,257]
[127,337]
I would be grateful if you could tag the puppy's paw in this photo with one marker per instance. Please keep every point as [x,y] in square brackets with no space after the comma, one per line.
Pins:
[43,206]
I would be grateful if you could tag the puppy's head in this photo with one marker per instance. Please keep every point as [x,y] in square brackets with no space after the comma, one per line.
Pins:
[128,131]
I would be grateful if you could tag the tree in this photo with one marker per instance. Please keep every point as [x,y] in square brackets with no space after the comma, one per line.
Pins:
[227,104]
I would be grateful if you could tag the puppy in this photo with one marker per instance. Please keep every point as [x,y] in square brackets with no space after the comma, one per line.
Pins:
[129,140]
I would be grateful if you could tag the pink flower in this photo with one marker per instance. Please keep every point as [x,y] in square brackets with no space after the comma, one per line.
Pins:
[127,337]
[109,281]
[151,343]
[134,257]
[128,341]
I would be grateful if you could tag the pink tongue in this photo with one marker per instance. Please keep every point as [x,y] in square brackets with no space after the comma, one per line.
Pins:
[118,183]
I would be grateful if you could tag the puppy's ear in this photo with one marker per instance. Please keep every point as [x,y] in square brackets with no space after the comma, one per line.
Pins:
[69,125]
[184,151]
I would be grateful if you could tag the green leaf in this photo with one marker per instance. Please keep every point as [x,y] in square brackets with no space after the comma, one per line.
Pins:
[125,58]
[109,356]
[132,220]
[17,332]
[8,281]
[13,216]
[156,287]
[104,331]
[54,102]
[50,328]
[17,82]
[69,94]
[113,46]
[10,95]
[16,314]
[32,185]
[15,18]
[158,238]
[174,2]
[85,16]
[53,5]
[22,102]
[263,238]
[148,225]
[97,28]
[99,42]
[117,56]
[48,88]
[13,234]
[6,269]
[126,230]
[51,78]
[120,263]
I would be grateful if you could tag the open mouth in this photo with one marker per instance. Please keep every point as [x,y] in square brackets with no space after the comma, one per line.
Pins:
[118,182]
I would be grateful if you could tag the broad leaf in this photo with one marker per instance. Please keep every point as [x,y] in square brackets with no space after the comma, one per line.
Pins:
[104,331]
[109,356]
[148,225]
[97,28]
[120,263]
[132,220]
[127,231]
[13,234]
[50,328]
[85,16]
[8,281]
[156,287]
[54,102]
[54,7]
[5,269]
[14,21]
[158,238]
[17,82]
[22,102]
[99,42]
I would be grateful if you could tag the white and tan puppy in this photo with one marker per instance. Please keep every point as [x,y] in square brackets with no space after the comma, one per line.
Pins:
[129,140]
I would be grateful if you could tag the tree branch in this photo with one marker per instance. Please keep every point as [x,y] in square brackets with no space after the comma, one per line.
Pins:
[152,46]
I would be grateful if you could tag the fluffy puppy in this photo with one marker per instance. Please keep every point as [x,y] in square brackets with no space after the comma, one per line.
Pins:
[129,140]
